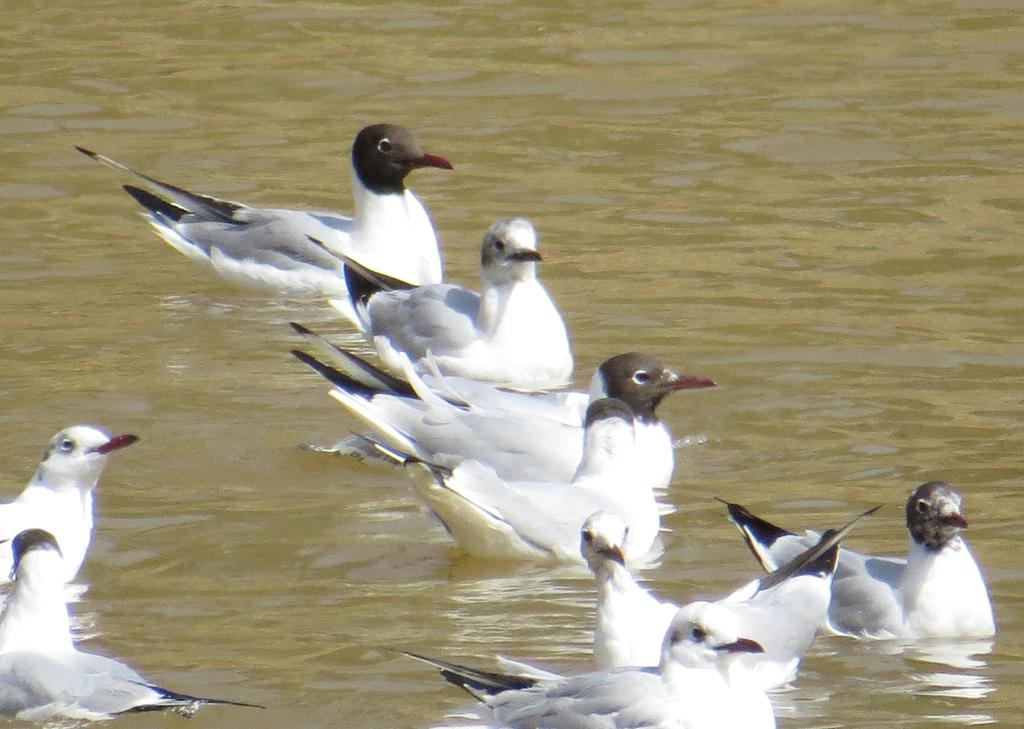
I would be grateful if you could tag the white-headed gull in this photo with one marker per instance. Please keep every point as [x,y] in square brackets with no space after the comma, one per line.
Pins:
[491,517]
[523,437]
[692,687]
[43,676]
[271,247]
[59,497]
[781,611]
[937,591]
[511,333]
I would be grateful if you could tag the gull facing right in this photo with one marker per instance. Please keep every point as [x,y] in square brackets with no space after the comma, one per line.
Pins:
[271,248]
[523,437]
[936,591]
[510,334]
[43,676]
[692,687]
[59,497]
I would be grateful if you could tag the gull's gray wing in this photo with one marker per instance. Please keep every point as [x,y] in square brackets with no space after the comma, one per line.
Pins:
[865,595]
[438,318]
[626,698]
[73,684]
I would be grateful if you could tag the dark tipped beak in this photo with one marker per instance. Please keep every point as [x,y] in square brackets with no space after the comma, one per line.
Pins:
[743,645]
[524,256]
[432,160]
[690,382]
[954,520]
[615,555]
[116,443]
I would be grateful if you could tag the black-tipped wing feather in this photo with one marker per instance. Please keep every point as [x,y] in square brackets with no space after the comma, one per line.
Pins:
[474,681]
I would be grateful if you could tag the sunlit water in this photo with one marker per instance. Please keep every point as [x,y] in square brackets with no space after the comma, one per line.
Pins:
[816,205]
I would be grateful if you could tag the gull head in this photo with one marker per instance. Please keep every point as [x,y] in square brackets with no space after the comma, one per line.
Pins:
[77,455]
[705,634]
[33,551]
[642,382]
[509,252]
[384,154]
[935,515]
[603,539]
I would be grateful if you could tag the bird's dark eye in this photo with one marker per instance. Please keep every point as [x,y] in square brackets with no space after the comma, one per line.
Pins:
[499,244]
[922,506]
[698,634]
[588,537]
[641,377]
[384,146]
[67,445]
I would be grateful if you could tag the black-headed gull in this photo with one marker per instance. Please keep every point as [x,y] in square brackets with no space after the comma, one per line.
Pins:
[491,517]
[780,611]
[523,437]
[43,676]
[936,591]
[59,497]
[510,333]
[692,687]
[271,247]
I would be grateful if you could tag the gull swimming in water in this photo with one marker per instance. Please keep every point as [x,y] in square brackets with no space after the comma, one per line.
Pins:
[692,687]
[522,436]
[271,248]
[936,591]
[59,497]
[43,675]
[510,333]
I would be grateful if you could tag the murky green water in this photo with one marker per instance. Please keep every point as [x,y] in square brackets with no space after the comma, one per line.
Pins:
[818,205]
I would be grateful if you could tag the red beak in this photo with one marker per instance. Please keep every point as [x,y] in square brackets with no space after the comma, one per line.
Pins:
[432,160]
[956,520]
[691,382]
[743,645]
[116,443]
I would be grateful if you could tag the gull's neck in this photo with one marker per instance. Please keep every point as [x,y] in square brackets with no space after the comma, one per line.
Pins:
[608,447]
[35,617]
[495,299]
[392,233]
[944,593]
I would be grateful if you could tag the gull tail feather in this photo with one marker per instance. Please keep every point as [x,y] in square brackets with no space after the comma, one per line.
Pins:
[820,559]
[759,534]
[185,704]
[348,370]
[204,206]
[478,683]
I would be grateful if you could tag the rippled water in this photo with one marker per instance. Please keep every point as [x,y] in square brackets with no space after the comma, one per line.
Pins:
[817,205]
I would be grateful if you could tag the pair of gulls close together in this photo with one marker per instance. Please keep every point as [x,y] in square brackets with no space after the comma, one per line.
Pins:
[559,476]
[381,268]
[45,535]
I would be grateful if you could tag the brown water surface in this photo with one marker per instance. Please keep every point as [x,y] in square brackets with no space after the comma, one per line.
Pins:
[816,204]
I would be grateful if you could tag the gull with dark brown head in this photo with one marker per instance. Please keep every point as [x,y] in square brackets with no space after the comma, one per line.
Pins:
[936,591]
[492,517]
[271,248]
[523,437]
[43,675]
